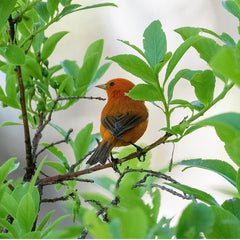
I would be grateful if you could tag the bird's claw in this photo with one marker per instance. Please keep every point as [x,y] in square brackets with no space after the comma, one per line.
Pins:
[140,153]
[115,162]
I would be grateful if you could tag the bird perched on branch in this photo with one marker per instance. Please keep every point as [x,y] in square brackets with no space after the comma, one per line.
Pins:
[123,120]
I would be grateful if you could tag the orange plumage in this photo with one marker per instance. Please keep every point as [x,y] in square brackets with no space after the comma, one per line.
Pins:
[123,120]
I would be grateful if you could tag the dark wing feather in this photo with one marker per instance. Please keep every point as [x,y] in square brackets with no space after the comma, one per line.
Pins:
[119,124]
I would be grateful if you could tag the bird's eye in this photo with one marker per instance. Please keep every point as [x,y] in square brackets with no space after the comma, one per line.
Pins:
[112,83]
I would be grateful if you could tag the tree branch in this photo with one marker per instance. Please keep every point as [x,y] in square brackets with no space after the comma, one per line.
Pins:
[64,177]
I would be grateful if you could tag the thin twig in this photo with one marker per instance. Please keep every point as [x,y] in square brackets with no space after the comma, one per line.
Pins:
[102,211]
[83,234]
[153,185]
[53,200]
[80,161]
[65,140]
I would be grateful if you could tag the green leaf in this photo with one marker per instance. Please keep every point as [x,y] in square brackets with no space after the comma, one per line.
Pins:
[6,9]
[52,226]
[90,65]
[62,132]
[228,130]
[6,168]
[238,180]
[58,154]
[226,62]
[232,7]
[225,225]
[11,230]
[42,88]
[203,196]
[51,43]
[52,6]
[100,72]
[26,213]
[68,232]
[145,92]
[42,10]
[135,66]
[96,196]
[45,220]
[174,81]
[134,222]
[222,168]
[82,141]
[154,43]
[134,47]
[105,182]
[11,83]
[233,206]
[57,166]
[71,68]
[33,67]
[206,47]
[15,55]
[204,84]
[177,55]
[95,226]
[196,218]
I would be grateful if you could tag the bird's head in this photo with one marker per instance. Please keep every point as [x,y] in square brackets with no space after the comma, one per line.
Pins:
[117,87]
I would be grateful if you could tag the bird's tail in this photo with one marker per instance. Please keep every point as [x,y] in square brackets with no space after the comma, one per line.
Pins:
[101,153]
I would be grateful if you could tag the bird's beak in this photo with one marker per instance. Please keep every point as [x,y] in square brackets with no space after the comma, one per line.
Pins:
[102,86]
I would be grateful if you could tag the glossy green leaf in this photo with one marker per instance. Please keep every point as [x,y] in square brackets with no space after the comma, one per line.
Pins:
[154,43]
[15,55]
[233,206]
[145,92]
[135,66]
[82,141]
[11,83]
[51,43]
[238,180]
[204,84]
[201,195]
[196,218]
[90,65]
[222,168]
[225,225]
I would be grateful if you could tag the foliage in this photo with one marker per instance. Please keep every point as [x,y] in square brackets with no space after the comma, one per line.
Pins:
[129,206]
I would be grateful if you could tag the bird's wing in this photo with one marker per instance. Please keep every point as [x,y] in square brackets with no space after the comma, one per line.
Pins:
[119,124]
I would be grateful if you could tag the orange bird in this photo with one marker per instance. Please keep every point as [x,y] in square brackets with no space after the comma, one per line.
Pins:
[123,120]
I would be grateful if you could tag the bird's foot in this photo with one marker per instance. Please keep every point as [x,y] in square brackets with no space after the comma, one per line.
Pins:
[140,152]
[115,162]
